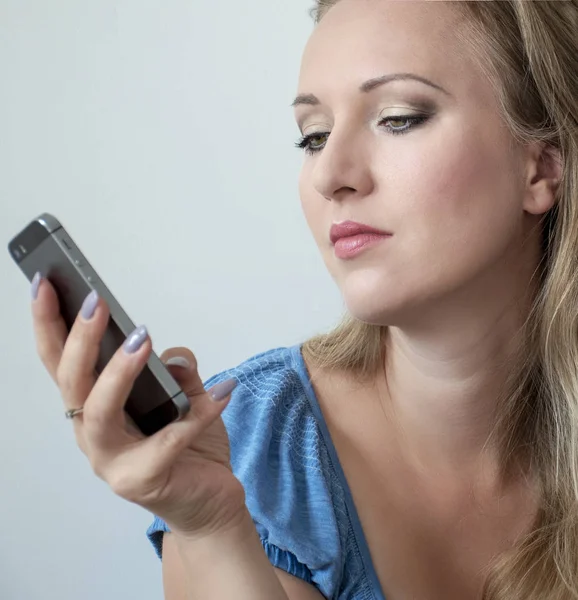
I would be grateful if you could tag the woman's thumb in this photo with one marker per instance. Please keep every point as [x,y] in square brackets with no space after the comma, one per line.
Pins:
[183,367]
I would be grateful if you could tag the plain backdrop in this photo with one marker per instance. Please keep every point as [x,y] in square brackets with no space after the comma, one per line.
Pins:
[161,135]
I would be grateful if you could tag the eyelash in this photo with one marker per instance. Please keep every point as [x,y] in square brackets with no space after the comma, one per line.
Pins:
[415,120]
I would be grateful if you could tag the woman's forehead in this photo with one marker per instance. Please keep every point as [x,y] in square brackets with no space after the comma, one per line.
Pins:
[360,40]
[383,28]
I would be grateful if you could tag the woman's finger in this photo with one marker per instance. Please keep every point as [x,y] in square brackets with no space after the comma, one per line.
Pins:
[135,474]
[50,330]
[104,417]
[161,450]
[75,373]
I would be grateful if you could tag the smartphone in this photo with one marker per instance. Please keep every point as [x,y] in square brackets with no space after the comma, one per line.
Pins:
[44,245]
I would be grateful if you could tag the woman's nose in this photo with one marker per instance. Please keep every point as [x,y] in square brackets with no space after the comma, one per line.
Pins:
[342,167]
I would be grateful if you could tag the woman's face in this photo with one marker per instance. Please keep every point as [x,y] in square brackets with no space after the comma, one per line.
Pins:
[450,189]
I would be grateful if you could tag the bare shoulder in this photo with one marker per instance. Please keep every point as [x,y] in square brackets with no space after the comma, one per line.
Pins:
[174,577]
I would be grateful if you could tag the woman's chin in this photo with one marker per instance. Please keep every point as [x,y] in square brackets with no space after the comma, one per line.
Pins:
[373,310]
[376,305]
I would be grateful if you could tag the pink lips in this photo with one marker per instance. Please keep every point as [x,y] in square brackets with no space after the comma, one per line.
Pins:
[350,238]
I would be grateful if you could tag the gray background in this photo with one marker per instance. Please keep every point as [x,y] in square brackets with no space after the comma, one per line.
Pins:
[161,135]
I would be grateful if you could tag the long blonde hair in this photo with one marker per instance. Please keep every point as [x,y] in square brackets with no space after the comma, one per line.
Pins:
[529,52]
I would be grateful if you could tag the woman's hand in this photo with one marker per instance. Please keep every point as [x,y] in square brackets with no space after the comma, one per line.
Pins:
[182,473]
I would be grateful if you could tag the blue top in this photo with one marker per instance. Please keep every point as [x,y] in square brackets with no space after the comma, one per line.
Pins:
[296,491]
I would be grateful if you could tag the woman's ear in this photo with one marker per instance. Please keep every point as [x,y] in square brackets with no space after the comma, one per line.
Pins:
[543,174]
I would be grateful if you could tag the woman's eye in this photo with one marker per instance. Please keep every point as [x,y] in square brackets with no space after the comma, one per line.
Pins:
[311,142]
[392,120]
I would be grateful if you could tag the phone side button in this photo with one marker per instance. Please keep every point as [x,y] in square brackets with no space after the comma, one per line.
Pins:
[86,273]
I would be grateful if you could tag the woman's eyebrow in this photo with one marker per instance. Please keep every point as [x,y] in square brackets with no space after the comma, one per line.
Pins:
[371,84]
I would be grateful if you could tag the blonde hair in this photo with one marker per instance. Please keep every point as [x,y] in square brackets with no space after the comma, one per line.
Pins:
[529,52]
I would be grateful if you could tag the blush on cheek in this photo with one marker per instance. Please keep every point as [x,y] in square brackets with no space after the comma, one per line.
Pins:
[468,181]
[459,215]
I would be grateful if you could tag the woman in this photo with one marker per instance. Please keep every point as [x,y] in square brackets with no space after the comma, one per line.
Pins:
[428,447]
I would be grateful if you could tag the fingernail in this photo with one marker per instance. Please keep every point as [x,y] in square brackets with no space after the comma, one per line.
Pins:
[220,391]
[179,361]
[35,285]
[89,305]
[135,340]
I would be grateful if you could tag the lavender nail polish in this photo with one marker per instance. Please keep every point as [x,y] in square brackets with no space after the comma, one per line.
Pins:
[89,305]
[222,390]
[35,285]
[135,340]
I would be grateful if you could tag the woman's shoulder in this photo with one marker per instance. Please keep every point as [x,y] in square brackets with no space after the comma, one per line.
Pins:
[264,380]
[271,407]
[280,456]
[272,366]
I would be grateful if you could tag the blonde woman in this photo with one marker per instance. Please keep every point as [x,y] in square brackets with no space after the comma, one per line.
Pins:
[428,447]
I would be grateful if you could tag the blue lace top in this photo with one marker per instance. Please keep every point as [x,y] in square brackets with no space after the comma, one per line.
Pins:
[296,491]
